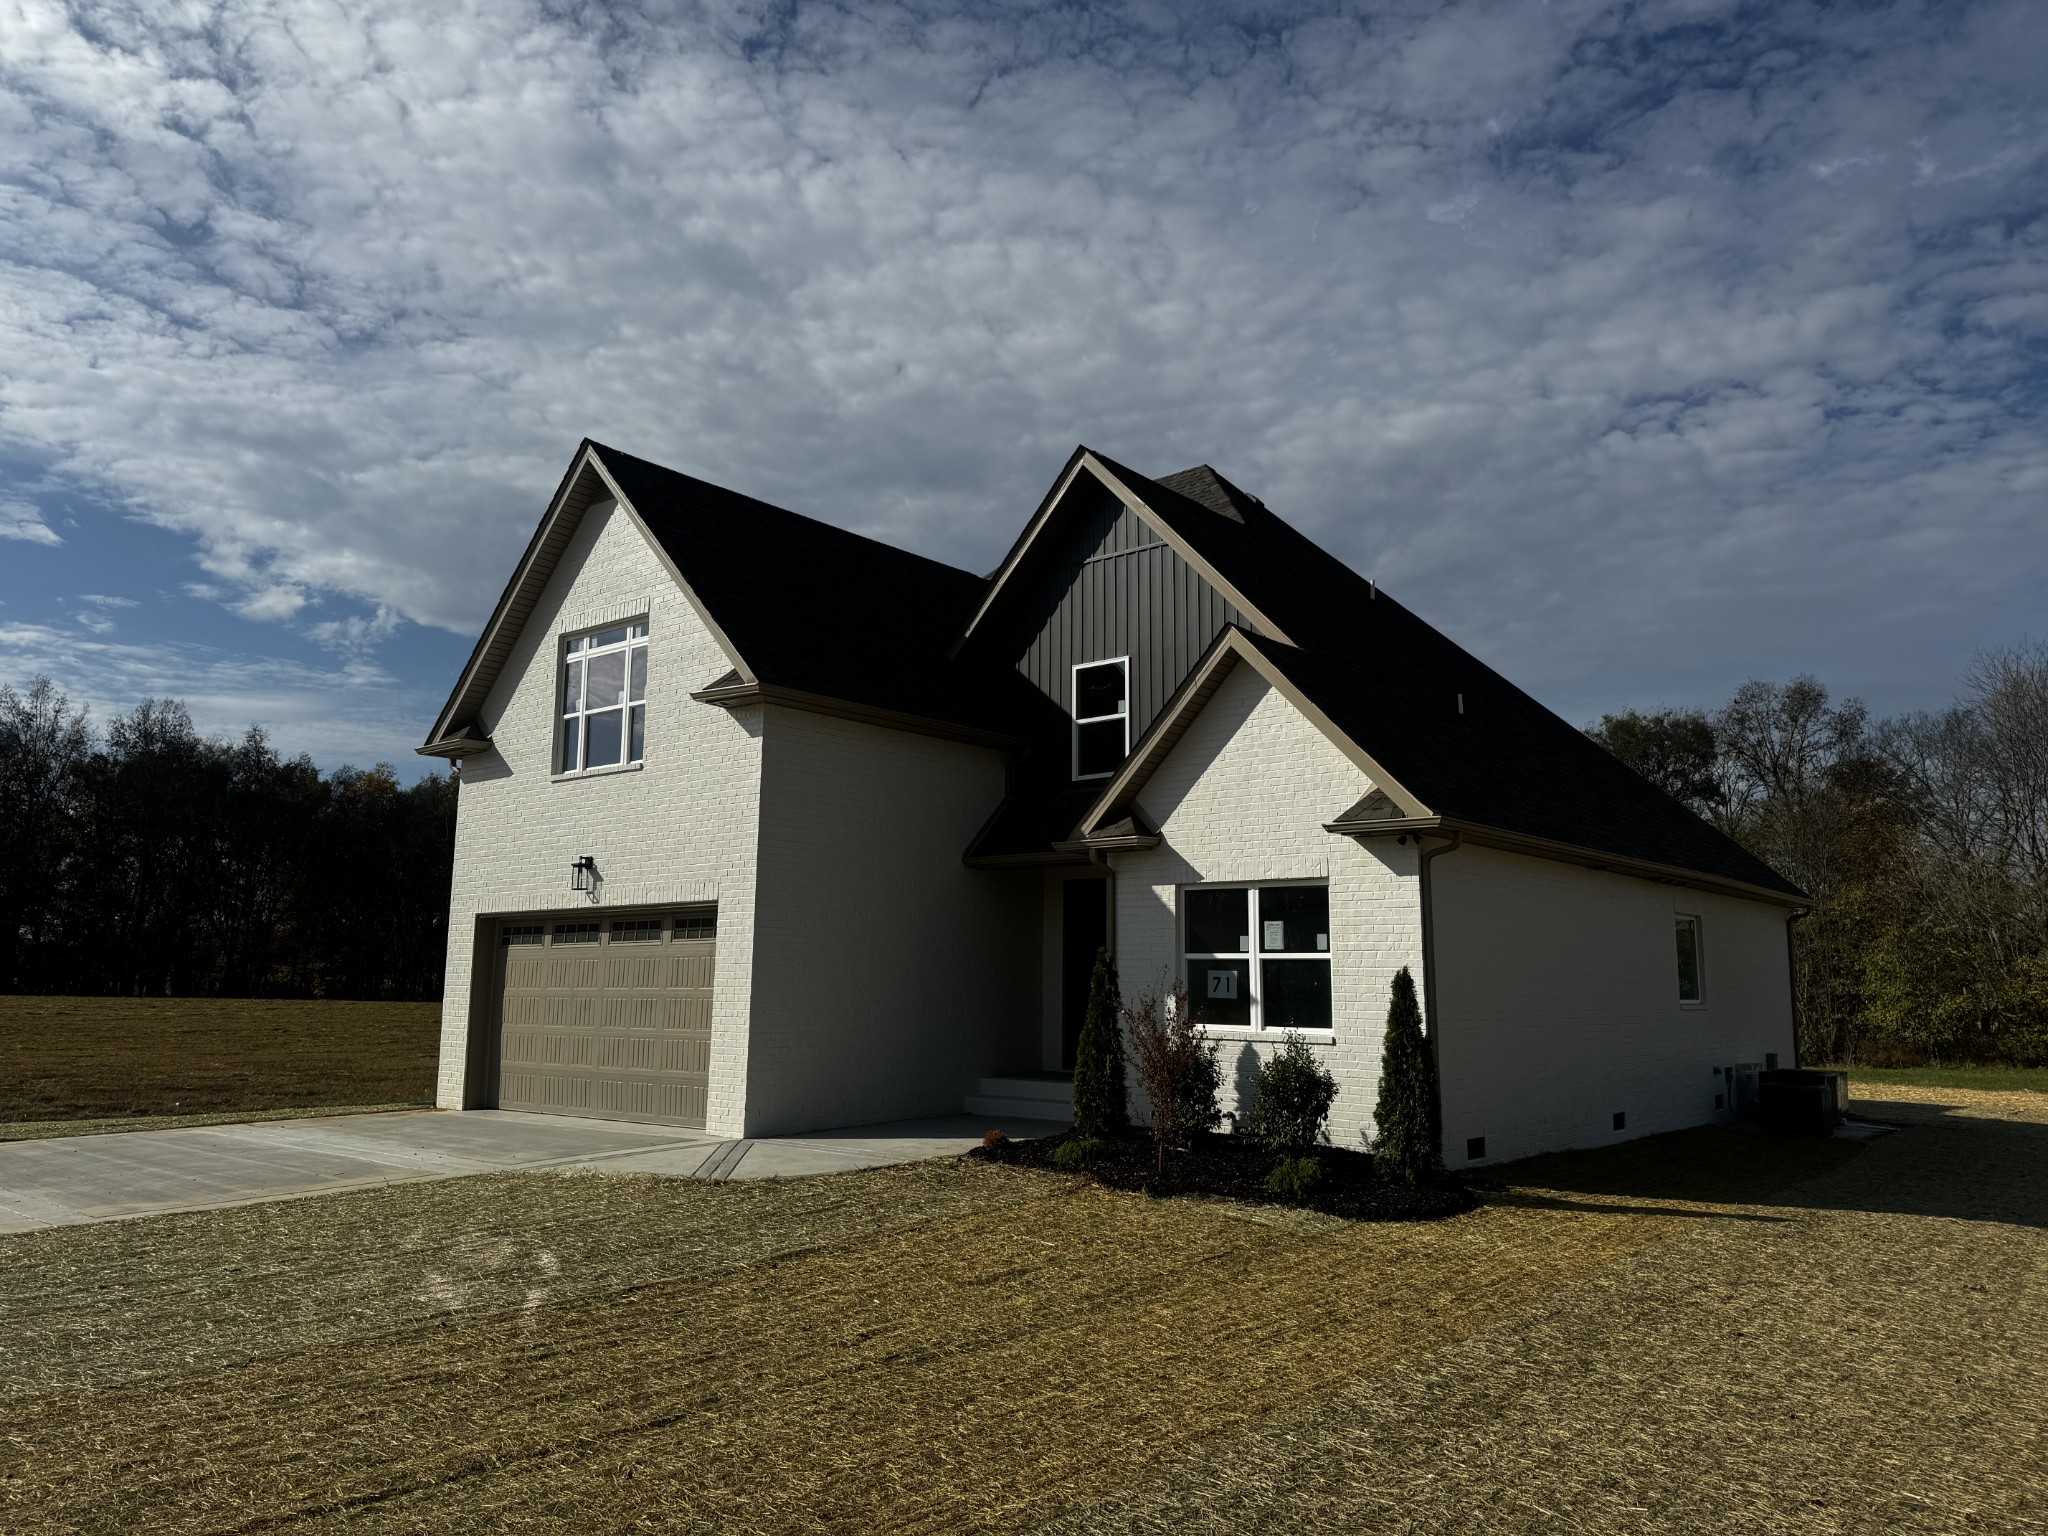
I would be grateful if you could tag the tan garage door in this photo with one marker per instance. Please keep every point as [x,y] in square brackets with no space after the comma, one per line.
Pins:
[608,1017]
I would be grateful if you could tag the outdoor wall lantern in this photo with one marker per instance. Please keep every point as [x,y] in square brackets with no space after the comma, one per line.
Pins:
[583,874]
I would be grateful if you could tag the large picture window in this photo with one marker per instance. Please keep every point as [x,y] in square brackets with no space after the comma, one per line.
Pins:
[1102,717]
[1258,956]
[604,699]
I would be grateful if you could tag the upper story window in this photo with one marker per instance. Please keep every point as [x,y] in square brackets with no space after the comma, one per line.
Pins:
[1102,717]
[1258,957]
[604,699]
[1689,969]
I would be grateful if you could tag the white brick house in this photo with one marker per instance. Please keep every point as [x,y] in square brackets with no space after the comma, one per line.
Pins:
[768,827]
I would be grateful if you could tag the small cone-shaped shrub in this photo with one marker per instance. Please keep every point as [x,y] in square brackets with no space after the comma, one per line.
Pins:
[1100,1107]
[1407,1145]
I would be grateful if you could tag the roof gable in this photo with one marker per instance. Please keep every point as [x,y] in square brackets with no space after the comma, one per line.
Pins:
[796,604]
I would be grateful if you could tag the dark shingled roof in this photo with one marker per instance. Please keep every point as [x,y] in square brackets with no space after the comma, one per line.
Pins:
[1391,683]
[814,607]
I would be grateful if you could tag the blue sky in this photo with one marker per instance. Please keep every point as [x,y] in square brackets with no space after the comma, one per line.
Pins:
[1643,348]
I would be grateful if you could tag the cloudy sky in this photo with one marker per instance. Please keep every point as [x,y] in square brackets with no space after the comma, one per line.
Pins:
[1642,347]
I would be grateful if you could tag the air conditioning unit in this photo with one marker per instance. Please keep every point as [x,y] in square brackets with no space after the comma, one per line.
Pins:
[1745,1100]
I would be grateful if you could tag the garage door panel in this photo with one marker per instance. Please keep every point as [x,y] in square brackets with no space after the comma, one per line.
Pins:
[619,1027]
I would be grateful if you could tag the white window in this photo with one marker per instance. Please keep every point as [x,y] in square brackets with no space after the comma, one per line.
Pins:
[1690,970]
[1258,957]
[1102,717]
[604,699]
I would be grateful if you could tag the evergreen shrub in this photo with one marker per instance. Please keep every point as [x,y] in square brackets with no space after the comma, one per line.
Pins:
[1291,1100]
[1100,1105]
[1407,1145]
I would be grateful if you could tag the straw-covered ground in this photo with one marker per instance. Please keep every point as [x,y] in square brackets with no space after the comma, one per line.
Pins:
[1715,1331]
[183,1061]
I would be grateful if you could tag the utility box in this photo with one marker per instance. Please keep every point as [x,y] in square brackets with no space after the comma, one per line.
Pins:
[1803,1102]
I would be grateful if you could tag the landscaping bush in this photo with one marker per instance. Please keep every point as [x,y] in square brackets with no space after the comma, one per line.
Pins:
[1081,1152]
[1291,1100]
[1100,1107]
[1408,1140]
[1295,1179]
[1177,1066]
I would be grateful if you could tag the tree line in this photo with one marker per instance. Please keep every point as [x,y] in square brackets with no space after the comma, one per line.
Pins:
[148,860]
[1923,840]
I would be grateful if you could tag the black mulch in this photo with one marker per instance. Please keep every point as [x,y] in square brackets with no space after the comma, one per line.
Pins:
[1232,1168]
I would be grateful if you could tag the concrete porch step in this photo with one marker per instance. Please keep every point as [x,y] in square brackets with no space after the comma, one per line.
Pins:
[1025,1096]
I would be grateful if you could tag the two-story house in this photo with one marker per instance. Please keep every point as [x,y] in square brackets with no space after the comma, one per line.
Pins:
[766,827]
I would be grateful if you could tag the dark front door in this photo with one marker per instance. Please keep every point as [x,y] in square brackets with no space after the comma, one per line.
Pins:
[1084,929]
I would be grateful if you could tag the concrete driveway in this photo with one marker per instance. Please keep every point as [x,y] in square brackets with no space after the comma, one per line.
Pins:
[68,1181]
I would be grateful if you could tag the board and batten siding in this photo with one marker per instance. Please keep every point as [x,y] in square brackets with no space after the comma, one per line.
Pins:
[1115,588]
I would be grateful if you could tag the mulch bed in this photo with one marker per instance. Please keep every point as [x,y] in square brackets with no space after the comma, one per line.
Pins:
[1233,1168]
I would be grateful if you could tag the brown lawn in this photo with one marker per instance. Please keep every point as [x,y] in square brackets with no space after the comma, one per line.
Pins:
[83,1058]
[1715,1331]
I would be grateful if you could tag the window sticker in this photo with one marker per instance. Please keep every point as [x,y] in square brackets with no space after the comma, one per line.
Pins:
[1223,985]
[1276,935]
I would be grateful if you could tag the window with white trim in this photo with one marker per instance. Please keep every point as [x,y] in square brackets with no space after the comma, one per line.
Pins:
[1258,956]
[604,699]
[1691,972]
[1102,717]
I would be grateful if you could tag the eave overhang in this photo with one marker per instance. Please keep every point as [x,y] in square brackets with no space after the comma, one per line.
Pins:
[465,741]
[734,695]
[1476,834]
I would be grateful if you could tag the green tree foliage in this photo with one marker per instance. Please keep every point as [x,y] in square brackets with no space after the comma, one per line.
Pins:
[1923,840]
[1291,1100]
[1407,1142]
[1100,1107]
[1672,748]
[154,861]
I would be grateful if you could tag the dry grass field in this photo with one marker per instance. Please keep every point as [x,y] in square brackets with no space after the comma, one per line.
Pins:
[1714,1331]
[92,1058]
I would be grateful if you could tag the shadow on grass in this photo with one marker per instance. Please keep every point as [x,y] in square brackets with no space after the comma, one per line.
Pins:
[1941,1164]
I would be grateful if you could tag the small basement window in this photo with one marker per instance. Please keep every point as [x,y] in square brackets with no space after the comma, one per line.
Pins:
[604,699]
[1258,957]
[1102,717]
[1689,990]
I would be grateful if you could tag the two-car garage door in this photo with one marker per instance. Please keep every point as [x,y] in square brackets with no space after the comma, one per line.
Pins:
[607,1017]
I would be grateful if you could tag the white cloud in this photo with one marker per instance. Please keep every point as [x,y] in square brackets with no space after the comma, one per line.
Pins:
[24,521]
[339,715]
[1714,328]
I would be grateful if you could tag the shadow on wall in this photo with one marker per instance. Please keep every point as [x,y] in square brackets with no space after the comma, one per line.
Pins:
[1942,1162]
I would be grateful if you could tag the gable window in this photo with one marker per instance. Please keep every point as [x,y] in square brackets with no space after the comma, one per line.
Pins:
[604,699]
[1258,956]
[1102,717]
[1689,968]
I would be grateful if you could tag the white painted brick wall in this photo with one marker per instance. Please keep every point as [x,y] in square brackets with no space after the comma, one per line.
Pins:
[682,829]
[888,977]
[1558,990]
[1243,797]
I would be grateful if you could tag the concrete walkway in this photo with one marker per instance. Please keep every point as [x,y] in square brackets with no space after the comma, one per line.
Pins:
[72,1180]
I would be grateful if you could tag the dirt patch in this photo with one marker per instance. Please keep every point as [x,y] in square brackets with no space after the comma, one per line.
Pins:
[84,1058]
[1232,1168]
[947,1348]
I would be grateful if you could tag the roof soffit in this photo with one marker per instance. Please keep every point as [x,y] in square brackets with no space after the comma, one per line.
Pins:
[1086,462]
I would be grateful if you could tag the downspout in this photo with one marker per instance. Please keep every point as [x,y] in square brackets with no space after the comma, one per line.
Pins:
[1792,977]
[1429,1018]
[1099,857]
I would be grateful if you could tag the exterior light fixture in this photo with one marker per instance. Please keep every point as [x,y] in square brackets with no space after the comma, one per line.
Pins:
[583,874]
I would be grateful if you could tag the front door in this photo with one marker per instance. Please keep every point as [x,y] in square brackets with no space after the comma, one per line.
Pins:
[1084,930]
